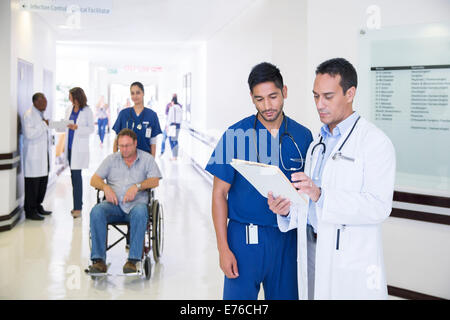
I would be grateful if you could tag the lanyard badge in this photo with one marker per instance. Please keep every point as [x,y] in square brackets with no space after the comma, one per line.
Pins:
[251,234]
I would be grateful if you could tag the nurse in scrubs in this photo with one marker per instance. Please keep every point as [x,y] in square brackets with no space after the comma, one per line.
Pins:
[143,121]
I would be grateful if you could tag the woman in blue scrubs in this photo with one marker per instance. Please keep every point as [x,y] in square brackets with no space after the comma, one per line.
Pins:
[252,250]
[143,121]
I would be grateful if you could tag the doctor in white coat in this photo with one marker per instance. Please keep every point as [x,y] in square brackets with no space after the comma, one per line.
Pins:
[76,147]
[35,157]
[349,177]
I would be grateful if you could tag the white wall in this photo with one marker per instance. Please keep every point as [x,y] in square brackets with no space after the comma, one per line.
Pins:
[272,31]
[232,52]
[7,107]
[24,36]
[195,63]
[8,111]
[32,40]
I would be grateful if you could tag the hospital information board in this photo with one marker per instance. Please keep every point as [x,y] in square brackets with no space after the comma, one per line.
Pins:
[411,105]
[418,95]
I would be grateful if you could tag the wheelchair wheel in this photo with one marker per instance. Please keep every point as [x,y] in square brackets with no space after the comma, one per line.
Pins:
[157,230]
[147,268]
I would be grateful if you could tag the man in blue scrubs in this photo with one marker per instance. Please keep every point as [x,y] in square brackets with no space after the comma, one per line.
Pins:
[252,250]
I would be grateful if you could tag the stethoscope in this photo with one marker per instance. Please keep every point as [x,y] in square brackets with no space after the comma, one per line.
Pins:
[139,126]
[337,155]
[286,133]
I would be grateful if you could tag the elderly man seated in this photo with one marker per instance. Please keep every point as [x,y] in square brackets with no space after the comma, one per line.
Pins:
[128,173]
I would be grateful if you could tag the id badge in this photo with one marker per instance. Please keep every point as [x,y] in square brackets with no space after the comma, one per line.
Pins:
[148,132]
[251,233]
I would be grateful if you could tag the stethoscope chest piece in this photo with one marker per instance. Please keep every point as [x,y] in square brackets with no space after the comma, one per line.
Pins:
[337,156]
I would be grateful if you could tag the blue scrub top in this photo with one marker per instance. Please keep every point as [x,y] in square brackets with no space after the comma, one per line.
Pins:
[148,119]
[245,203]
[74,117]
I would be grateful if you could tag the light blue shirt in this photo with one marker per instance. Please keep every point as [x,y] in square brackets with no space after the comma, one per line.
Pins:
[121,177]
[330,139]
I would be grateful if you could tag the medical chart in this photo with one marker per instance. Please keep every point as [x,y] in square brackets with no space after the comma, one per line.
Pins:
[267,178]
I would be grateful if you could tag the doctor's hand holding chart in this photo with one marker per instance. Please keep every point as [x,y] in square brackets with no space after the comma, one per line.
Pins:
[268,179]
[303,184]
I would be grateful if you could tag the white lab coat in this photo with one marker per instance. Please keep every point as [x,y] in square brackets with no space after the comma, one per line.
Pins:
[35,144]
[175,114]
[357,199]
[80,145]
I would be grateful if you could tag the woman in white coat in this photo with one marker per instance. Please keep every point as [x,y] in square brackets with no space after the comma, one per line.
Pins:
[77,143]
[349,178]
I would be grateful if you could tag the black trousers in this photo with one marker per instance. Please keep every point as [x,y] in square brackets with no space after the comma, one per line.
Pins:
[35,189]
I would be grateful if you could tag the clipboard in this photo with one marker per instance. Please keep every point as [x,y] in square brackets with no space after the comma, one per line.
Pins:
[268,178]
[59,126]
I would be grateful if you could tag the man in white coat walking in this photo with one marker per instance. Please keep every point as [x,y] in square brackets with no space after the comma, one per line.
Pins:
[349,177]
[36,157]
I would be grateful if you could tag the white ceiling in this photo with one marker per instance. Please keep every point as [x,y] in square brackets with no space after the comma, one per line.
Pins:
[150,21]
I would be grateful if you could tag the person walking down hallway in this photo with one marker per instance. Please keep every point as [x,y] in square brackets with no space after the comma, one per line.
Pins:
[36,157]
[143,121]
[102,119]
[77,143]
[174,119]
[164,138]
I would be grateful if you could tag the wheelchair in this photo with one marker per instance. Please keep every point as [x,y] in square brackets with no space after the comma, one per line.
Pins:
[153,239]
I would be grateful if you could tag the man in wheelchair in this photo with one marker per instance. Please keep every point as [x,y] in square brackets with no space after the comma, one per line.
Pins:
[128,173]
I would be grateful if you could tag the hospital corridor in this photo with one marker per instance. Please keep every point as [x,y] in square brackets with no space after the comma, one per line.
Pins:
[224,150]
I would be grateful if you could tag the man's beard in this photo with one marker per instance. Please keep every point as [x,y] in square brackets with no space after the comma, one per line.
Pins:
[277,116]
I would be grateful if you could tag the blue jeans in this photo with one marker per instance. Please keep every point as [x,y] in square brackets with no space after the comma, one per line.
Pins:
[163,144]
[102,127]
[174,141]
[77,186]
[106,212]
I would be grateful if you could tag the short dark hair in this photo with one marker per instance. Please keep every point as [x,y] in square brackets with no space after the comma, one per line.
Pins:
[38,95]
[78,94]
[127,132]
[340,66]
[140,85]
[265,72]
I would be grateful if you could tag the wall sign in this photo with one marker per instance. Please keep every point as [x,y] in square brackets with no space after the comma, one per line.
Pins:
[101,7]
